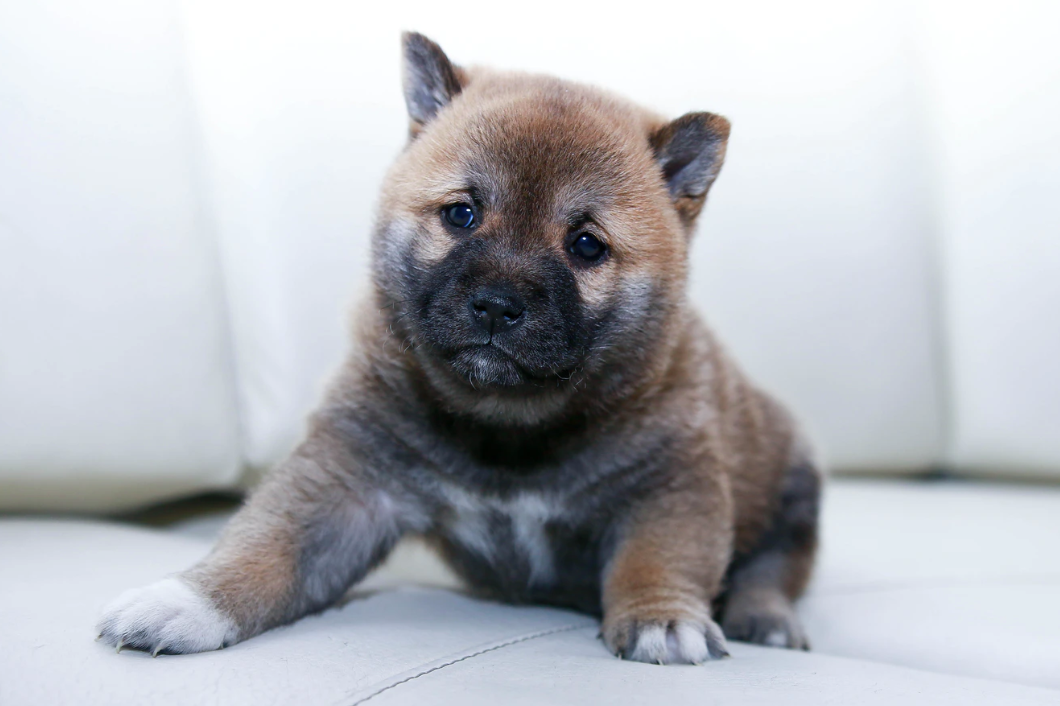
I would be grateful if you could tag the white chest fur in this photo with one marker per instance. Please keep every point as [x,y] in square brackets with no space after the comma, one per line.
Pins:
[475,526]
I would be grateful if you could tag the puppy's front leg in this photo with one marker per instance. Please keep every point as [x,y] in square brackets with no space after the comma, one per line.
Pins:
[668,566]
[315,526]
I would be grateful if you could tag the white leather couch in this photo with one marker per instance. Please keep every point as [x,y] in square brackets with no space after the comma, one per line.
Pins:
[186,189]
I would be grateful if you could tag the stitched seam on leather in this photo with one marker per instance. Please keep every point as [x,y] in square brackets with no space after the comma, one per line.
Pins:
[491,648]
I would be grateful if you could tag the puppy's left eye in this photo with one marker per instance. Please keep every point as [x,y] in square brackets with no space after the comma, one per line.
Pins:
[459,215]
[587,247]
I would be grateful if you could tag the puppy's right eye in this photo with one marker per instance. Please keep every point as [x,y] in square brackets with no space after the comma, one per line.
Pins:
[459,215]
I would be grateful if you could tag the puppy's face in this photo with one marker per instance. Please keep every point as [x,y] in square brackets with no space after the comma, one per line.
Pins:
[533,236]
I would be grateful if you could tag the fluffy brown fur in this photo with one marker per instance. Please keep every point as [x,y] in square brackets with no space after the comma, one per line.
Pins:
[531,391]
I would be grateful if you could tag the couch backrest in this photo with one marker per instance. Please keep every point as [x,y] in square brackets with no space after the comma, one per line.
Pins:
[186,191]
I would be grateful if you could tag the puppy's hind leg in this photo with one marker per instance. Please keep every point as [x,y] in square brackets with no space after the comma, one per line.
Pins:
[315,526]
[764,583]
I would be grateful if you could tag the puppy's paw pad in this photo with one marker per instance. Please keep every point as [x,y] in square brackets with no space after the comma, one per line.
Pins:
[668,642]
[772,628]
[168,617]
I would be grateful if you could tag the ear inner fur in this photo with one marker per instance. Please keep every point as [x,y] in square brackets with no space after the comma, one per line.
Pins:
[430,79]
[691,151]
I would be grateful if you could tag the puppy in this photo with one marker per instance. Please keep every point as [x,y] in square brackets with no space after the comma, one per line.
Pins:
[531,391]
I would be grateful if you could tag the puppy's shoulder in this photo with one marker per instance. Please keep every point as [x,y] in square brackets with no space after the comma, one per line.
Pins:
[703,368]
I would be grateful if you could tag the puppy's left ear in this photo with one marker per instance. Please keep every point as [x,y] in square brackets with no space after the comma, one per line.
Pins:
[690,151]
[430,80]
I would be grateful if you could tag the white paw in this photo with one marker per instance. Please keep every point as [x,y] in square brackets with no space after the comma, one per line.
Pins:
[168,617]
[675,642]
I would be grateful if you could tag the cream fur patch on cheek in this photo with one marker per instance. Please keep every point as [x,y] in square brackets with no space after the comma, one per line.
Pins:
[636,295]
[597,285]
[433,246]
[427,243]
[632,292]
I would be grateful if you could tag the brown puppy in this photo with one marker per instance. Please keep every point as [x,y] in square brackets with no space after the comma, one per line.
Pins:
[531,391]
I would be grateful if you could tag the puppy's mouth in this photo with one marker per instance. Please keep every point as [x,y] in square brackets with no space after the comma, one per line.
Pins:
[489,365]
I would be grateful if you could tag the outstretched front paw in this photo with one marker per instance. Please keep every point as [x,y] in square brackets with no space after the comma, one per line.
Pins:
[168,617]
[660,640]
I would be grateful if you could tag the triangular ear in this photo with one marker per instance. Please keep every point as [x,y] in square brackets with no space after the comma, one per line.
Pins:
[690,151]
[430,79]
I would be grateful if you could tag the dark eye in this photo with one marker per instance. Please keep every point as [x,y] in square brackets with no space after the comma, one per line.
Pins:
[459,215]
[586,247]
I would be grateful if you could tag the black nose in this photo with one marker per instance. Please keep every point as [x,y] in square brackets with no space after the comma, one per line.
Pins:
[497,309]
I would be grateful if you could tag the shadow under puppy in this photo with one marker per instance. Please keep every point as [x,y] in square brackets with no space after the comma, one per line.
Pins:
[531,391]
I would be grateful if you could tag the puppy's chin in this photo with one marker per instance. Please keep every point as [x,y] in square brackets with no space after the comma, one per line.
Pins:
[488,384]
[487,366]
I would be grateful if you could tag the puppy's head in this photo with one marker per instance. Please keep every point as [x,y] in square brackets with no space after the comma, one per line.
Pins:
[533,236]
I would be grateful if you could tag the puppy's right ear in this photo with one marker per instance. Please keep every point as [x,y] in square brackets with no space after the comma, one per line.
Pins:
[430,79]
